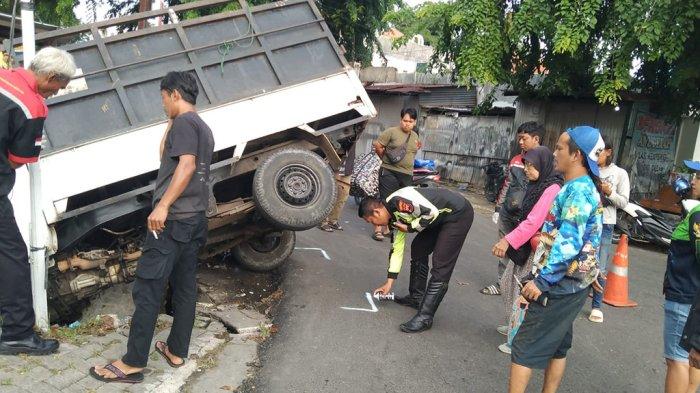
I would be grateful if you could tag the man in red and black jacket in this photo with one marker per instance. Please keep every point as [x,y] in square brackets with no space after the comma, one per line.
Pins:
[22,115]
[510,197]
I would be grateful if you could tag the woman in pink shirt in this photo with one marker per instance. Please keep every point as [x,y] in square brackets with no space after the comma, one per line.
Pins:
[544,184]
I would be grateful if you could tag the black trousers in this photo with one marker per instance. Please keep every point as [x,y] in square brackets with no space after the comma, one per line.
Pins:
[170,258]
[16,306]
[392,181]
[445,243]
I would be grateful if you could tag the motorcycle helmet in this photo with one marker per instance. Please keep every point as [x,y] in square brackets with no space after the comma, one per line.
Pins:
[681,187]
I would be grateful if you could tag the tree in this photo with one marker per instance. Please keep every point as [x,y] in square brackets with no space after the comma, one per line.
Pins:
[570,47]
[354,23]
[54,12]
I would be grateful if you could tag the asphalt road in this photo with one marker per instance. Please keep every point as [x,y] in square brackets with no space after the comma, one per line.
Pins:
[323,348]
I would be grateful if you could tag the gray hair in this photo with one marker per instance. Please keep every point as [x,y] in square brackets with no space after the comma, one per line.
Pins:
[53,61]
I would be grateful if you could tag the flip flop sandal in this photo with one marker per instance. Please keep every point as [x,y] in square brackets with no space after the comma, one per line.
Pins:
[491,290]
[167,359]
[336,226]
[121,377]
[326,227]
[378,236]
[596,316]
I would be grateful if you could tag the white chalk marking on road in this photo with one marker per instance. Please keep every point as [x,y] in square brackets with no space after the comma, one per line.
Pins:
[323,252]
[371,303]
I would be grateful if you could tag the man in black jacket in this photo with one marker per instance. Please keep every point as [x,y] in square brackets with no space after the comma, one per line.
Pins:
[681,285]
[510,197]
[442,219]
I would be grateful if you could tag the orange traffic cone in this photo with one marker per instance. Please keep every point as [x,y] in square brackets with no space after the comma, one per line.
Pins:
[617,288]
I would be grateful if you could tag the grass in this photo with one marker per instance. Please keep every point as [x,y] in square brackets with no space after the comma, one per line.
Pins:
[6,382]
[80,335]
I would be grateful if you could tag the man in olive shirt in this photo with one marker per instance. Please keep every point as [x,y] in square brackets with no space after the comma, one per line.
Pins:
[398,175]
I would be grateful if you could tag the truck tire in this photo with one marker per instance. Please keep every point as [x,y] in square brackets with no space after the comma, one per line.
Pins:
[294,189]
[265,253]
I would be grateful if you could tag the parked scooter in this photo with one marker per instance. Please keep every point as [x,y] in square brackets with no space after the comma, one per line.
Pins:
[651,226]
[495,176]
[644,226]
[425,174]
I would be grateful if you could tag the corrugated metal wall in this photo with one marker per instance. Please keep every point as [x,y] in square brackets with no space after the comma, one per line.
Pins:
[450,97]
[558,116]
[462,145]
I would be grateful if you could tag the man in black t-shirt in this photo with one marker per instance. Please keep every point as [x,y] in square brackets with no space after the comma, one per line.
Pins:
[177,229]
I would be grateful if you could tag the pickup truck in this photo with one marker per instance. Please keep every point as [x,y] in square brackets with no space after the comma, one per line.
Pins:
[276,91]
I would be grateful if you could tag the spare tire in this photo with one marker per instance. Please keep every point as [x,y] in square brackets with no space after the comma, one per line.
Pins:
[294,189]
[266,252]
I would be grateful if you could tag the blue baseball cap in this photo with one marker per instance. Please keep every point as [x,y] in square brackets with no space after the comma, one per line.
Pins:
[588,139]
[694,165]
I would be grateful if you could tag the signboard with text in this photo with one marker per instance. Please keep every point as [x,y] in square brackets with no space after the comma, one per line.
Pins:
[652,154]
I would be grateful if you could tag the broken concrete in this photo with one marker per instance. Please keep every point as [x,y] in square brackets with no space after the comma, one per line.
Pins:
[232,366]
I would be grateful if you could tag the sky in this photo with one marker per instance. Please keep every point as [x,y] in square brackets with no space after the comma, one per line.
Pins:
[80,9]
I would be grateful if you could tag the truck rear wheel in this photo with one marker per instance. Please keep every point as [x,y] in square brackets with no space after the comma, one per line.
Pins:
[294,189]
[265,253]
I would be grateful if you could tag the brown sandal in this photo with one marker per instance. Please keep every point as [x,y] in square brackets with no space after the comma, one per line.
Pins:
[167,358]
[121,377]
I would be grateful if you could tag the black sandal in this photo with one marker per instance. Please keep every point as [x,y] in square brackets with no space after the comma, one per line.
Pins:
[167,358]
[120,376]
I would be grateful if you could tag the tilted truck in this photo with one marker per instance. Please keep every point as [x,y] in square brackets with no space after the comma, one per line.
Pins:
[274,86]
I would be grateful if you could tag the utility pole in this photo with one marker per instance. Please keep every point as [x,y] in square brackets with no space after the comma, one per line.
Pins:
[37,230]
[144,5]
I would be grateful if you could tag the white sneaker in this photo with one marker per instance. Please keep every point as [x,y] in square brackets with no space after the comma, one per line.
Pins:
[503,330]
[505,348]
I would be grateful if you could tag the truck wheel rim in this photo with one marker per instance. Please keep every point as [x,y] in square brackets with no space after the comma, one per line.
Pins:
[297,185]
[266,243]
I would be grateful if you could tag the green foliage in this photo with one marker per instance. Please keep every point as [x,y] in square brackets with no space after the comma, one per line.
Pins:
[54,12]
[354,23]
[573,47]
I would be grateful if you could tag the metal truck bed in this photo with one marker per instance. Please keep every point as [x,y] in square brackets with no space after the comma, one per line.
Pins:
[261,71]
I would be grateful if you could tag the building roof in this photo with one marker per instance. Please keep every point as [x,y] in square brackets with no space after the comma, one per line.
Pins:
[6,20]
[403,88]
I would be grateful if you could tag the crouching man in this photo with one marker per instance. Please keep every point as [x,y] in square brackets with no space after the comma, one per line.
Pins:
[442,219]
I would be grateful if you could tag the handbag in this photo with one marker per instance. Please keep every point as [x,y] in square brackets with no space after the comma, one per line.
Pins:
[397,154]
[364,181]
[521,255]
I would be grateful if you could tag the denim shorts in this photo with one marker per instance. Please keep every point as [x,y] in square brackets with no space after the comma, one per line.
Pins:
[675,316]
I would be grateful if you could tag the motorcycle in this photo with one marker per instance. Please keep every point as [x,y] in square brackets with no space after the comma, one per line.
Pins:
[652,226]
[644,225]
[495,176]
[424,175]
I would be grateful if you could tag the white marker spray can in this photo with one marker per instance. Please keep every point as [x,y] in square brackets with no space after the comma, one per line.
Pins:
[382,296]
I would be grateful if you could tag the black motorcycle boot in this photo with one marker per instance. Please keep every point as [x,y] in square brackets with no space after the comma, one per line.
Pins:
[416,286]
[423,320]
[32,345]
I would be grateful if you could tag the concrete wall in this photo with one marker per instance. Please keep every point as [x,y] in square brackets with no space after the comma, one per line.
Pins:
[688,146]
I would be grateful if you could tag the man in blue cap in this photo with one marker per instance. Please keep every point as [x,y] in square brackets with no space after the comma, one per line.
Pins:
[681,284]
[572,233]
